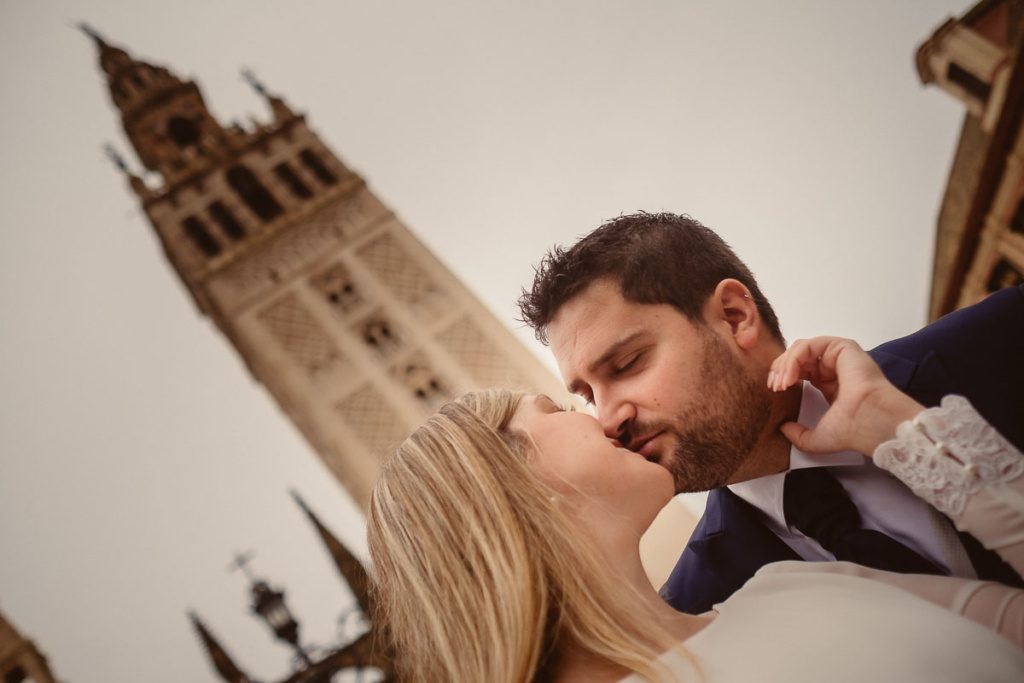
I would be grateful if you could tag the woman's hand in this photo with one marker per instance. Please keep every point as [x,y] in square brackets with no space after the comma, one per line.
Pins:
[865,407]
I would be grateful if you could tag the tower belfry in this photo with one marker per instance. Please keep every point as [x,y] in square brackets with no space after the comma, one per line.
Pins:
[354,327]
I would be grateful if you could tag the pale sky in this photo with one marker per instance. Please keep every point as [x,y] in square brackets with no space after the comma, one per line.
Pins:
[136,453]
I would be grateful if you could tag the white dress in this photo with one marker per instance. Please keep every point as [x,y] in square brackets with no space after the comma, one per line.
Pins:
[839,622]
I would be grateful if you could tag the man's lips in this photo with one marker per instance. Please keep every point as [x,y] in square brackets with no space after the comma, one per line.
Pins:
[645,446]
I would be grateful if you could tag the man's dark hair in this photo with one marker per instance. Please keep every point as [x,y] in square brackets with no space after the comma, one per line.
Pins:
[656,258]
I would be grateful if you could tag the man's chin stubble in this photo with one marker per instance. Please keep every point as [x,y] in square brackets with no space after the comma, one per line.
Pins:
[724,430]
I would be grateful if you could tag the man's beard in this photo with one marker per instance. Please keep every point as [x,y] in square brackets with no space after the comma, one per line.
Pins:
[716,433]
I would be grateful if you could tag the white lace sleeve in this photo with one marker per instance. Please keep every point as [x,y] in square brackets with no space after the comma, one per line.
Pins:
[955,460]
[947,454]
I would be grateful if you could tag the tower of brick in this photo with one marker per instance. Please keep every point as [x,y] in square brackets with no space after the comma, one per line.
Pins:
[352,325]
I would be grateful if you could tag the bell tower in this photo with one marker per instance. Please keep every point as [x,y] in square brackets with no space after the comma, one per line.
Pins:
[352,325]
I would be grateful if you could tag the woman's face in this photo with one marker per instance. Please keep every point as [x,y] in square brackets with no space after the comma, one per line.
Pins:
[571,454]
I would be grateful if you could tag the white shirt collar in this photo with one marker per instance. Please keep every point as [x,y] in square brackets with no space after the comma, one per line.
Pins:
[765,493]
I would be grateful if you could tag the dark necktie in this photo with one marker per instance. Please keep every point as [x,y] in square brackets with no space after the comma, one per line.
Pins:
[816,504]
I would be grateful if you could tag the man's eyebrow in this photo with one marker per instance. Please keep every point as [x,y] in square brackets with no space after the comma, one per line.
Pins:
[577,385]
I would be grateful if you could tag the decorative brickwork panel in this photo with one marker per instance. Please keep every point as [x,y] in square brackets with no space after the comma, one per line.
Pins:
[478,355]
[302,337]
[369,415]
[339,290]
[403,276]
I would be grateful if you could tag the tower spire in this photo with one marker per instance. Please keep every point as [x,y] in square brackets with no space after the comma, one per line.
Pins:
[92,33]
[282,112]
[348,566]
[110,56]
[222,661]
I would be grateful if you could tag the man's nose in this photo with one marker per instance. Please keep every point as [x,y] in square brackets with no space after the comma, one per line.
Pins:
[615,419]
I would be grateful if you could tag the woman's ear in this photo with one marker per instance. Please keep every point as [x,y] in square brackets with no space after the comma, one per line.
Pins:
[732,304]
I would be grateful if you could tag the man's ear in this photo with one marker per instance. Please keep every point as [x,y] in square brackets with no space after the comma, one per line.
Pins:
[732,304]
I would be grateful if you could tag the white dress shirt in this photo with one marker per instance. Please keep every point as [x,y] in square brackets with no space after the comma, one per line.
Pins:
[884,503]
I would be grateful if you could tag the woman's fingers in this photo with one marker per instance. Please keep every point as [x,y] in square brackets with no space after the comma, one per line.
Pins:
[813,359]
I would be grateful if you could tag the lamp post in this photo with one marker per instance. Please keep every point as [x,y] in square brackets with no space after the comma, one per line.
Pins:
[269,604]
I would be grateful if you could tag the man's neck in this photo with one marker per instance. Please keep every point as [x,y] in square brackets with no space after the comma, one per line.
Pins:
[770,454]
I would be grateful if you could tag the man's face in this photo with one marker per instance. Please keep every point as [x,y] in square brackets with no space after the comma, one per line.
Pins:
[674,391]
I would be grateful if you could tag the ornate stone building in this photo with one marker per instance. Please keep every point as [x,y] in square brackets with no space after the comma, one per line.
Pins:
[20,659]
[354,327]
[980,240]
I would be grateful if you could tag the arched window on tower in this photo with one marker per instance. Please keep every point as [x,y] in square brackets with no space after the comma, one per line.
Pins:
[200,236]
[227,221]
[253,193]
[184,132]
[287,176]
[314,164]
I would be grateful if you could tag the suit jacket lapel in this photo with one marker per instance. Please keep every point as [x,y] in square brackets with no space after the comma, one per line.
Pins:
[733,539]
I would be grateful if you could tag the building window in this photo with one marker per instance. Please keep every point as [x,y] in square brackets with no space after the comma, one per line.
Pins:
[971,84]
[227,221]
[287,176]
[1004,275]
[314,164]
[423,382]
[253,193]
[379,334]
[184,132]
[336,285]
[200,236]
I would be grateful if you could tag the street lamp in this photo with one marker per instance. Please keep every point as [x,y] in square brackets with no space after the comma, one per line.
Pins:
[270,606]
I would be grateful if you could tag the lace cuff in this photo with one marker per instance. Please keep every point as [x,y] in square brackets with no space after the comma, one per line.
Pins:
[948,453]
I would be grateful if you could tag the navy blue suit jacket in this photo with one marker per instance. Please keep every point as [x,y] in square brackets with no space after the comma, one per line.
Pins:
[977,352]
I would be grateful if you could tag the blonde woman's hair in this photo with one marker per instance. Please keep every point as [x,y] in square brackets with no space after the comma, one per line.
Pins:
[479,575]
